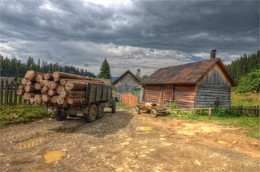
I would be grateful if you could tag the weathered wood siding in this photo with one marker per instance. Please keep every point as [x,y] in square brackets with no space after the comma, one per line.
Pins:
[213,87]
[162,94]
[127,85]
[184,95]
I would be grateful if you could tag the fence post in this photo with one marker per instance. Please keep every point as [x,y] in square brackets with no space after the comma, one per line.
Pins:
[15,93]
[6,92]
[2,92]
[11,93]
[210,113]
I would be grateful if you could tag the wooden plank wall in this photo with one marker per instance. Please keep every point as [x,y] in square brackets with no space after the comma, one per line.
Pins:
[162,94]
[184,95]
[127,85]
[214,87]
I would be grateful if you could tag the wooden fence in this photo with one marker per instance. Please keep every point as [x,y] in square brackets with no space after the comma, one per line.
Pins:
[247,110]
[8,94]
[129,99]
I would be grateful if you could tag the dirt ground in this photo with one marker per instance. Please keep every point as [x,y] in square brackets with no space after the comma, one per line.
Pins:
[125,141]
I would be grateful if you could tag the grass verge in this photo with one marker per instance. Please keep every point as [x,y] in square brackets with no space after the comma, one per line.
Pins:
[245,99]
[22,114]
[119,103]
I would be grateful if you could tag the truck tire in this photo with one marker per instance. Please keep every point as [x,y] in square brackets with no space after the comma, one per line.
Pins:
[60,116]
[92,113]
[113,106]
[100,111]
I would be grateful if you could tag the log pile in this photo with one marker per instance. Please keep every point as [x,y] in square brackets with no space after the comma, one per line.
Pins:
[57,88]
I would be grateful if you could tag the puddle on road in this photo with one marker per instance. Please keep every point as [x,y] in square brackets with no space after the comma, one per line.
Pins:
[221,142]
[144,128]
[53,156]
[29,143]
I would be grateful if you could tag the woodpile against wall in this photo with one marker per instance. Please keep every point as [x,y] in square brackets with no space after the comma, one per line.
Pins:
[59,87]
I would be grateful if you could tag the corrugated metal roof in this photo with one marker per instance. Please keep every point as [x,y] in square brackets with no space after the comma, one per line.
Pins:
[184,74]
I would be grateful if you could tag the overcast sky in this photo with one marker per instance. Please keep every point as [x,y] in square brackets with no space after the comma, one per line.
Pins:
[141,34]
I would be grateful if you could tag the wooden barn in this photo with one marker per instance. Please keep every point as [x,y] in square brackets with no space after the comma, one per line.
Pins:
[198,84]
[127,83]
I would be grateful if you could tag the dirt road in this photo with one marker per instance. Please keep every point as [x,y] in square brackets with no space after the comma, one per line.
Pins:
[126,142]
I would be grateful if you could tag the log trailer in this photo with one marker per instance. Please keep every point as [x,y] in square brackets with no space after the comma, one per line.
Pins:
[97,97]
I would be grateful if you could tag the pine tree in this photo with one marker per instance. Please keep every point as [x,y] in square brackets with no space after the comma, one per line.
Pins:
[138,74]
[105,70]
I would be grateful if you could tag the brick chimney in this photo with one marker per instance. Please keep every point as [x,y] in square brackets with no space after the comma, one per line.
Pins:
[213,54]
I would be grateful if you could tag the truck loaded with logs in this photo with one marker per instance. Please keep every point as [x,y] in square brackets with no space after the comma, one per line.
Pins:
[68,94]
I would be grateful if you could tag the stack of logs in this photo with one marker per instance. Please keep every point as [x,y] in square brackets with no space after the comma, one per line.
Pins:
[58,88]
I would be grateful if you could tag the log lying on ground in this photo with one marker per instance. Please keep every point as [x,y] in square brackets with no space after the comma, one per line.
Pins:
[32,100]
[29,89]
[75,100]
[24,80]
[52,85]
[31,75]
[39,77]
[60,100]
[61,75]
[45,98]
[20,92]
[21,87]
[56,79]
[65,93]
[54,99]
[27,96]
[37,86]
[75,86]
[44,90]
[38,98]
[67,75]
[48,76]
[51,92]
[28,82]
[63,81]
[59,89]
[45,83]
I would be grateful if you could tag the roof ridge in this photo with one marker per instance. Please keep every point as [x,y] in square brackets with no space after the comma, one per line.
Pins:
[189,63]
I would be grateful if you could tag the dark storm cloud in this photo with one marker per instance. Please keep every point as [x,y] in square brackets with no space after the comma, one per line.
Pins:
[61,29]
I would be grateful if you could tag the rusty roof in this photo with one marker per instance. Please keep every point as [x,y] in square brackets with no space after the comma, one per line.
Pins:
[189,73]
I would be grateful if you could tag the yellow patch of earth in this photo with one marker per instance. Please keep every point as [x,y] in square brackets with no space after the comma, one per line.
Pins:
[53,156]
[29,143]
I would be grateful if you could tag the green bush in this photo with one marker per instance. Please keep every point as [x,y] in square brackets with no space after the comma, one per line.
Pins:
[173,105]
[250,82]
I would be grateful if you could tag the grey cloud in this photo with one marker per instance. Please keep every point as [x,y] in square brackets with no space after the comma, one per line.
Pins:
[58,30]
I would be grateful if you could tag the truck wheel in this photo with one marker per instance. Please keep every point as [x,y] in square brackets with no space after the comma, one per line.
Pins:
[154,113]
[100,112]
[92,113]
[114,106]
[60,116]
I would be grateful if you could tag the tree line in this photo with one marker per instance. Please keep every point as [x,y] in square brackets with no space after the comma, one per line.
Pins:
[15,68]
[244,65]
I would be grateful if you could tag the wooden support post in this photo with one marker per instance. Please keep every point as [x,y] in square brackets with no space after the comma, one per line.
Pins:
[210,113]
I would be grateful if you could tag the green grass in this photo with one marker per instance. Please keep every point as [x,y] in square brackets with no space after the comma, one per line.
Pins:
[22,114]
[222,117]
[121,104]
[245,99]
